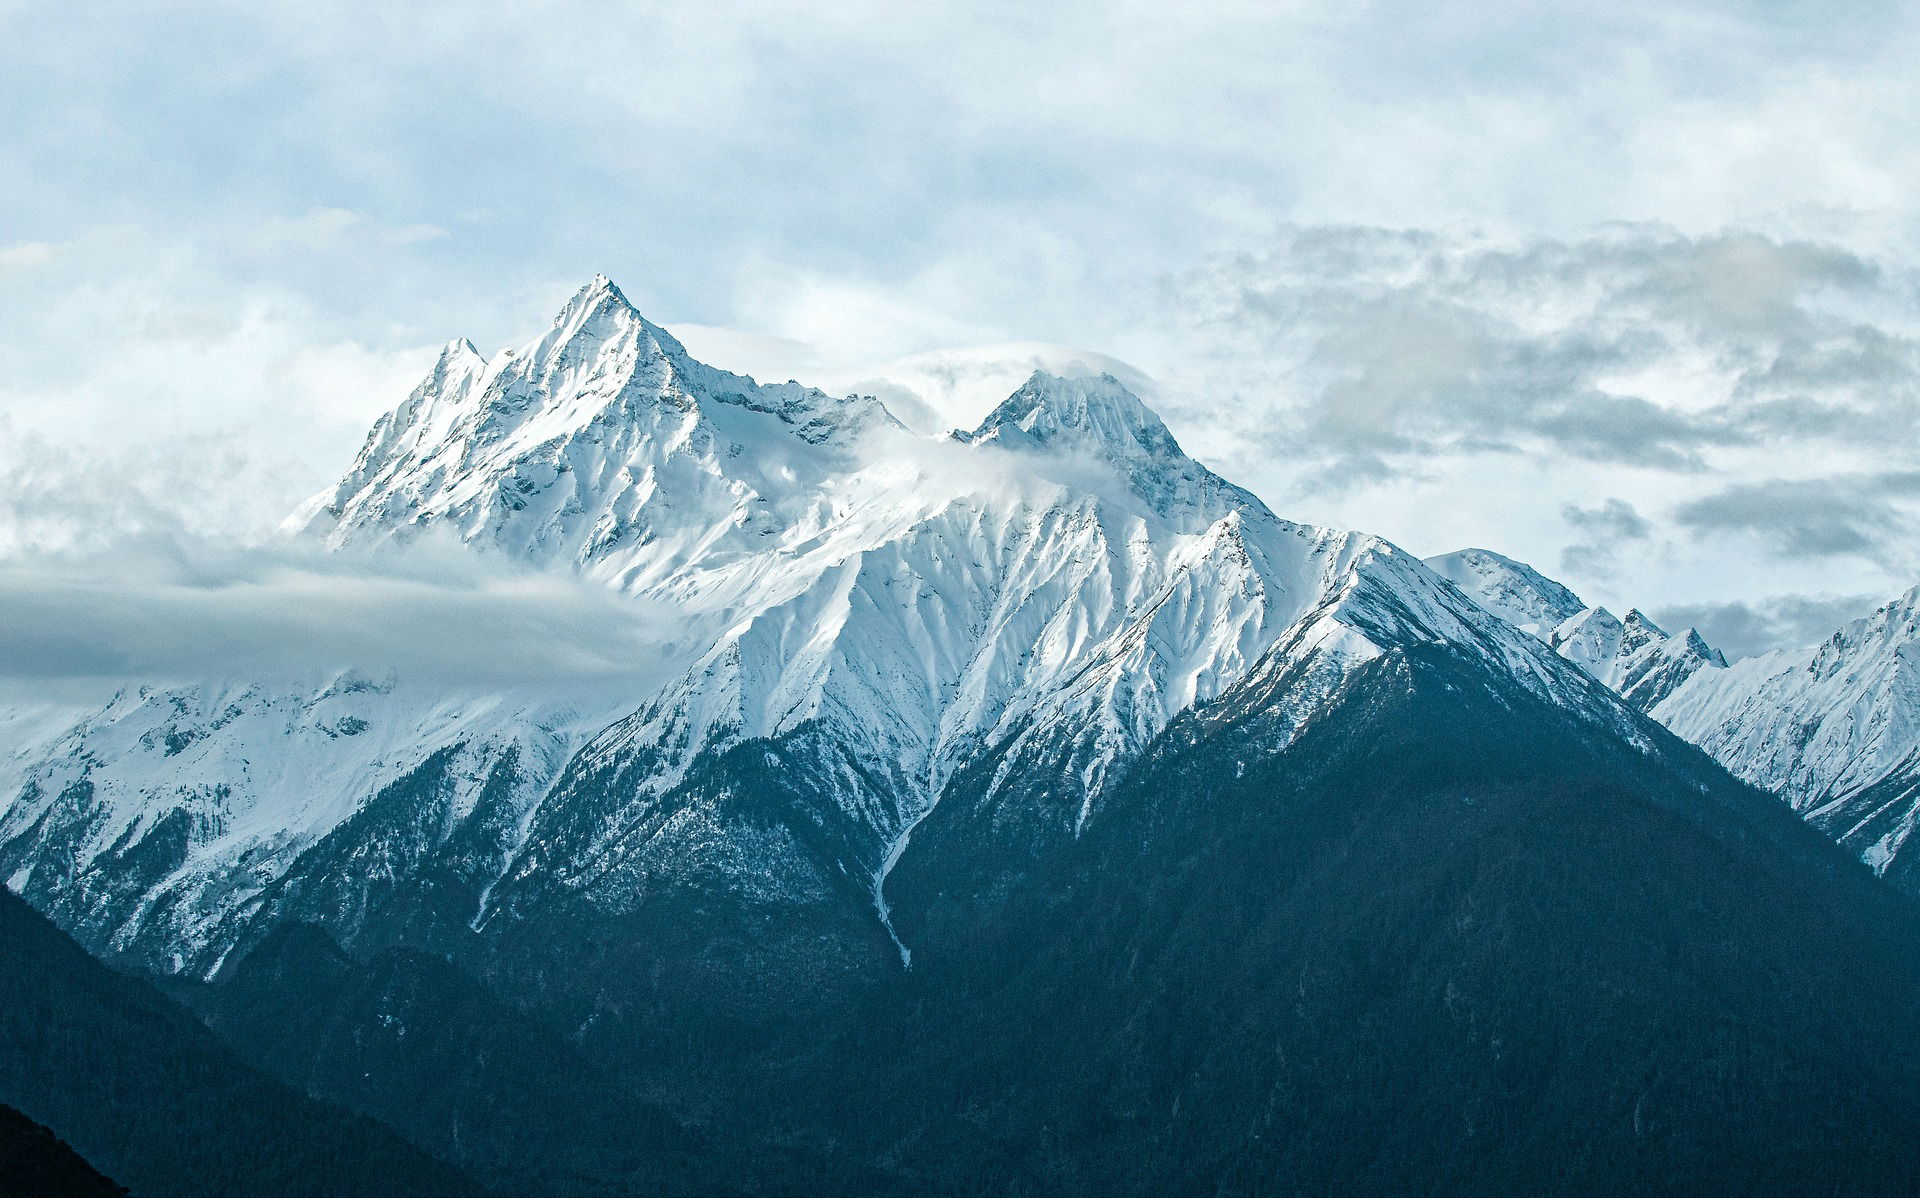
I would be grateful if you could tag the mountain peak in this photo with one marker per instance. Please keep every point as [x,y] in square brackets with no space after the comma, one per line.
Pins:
[1635,618]
[596,437]
[1888,629]
[1630,653]
[600,312]
[1690,643]
[597,299]
[1902,611]
[602,290]
[1095,417]
[457,358]
[1510,589]
[1083,412]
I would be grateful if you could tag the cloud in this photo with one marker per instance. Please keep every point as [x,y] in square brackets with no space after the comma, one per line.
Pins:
[325,229]
[163,609]
[1615,520]
[948,389]
[67,498]
[140,365]
[59,498]
[25,254]
[1438,345]
[1601,531]
[1635,346]
[1744,629]
[1449,386]
[981,161]
[1860,515]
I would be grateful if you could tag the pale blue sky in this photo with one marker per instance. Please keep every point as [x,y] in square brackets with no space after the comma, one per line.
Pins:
[1372,253]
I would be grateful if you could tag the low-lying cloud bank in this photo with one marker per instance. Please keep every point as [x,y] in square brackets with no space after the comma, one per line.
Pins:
[168,610]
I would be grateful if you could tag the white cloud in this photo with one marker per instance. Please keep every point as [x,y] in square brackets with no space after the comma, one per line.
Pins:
[331,228]
[144,365]
[170,608]
[956,388]
[25,254]
[1449,389]
[237,230]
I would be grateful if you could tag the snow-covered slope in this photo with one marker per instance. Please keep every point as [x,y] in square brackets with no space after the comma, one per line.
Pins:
[604,447]
[861,613]
[161,812]
[1512,590]
[1634,656]
[1833,729]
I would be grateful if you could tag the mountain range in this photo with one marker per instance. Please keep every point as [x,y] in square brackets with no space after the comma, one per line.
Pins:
[1831,729]
[1024,809]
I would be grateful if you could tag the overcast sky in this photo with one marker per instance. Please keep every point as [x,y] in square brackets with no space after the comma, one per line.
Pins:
[1626,290]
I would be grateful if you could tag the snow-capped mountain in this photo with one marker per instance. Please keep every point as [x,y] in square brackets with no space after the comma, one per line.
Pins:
[1632,655]
[1021,807]
[870,611]
[1834,729]
[1514,591]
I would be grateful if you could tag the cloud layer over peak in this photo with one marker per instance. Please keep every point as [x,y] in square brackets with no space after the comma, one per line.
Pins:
[1444,271]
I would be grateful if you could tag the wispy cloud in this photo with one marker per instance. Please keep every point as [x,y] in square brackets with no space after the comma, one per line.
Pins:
[167,610]
[1742,628]
[1639,346]
[1859,515]
[1450,388]
[1437,345]
[1601,533]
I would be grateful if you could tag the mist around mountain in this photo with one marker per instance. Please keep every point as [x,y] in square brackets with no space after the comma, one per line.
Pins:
[1024,809]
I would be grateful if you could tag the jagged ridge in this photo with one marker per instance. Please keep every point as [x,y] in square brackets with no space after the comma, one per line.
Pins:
[1632,655]
[872,610]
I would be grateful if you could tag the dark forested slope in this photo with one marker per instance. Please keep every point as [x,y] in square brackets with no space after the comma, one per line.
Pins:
[35,1163]
[148,1095]
[1451,941]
